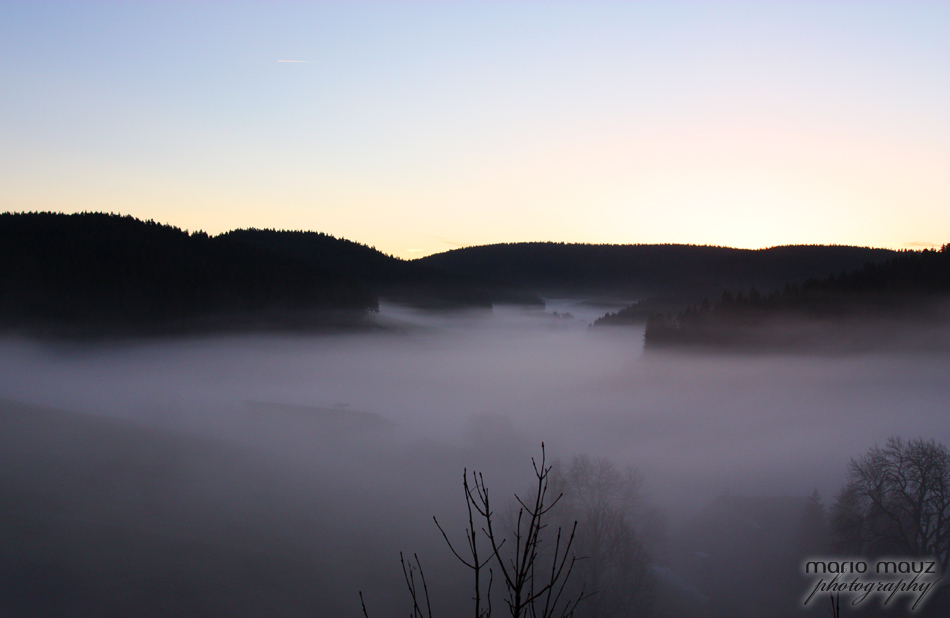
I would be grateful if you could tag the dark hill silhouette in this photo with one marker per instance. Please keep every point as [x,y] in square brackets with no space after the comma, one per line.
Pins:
[681,271]
[92,273]
[95,274]
[872,305]
[387,276]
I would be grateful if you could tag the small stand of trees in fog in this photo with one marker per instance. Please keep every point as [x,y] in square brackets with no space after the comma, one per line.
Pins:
[896,502]
[616,529]
[574,547]
[909,287]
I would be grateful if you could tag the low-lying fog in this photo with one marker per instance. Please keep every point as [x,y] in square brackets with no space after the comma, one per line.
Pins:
[332,453]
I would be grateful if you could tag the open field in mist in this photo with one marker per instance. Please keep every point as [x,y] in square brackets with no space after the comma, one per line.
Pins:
[280,475]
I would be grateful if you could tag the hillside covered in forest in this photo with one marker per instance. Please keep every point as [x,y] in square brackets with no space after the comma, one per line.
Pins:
[902,302]
[642,271]
[95,273]
[409,282]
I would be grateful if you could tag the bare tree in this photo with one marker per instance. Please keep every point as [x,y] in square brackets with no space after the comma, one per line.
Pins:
[536,576]
[897,500]
[476,501]
[613,523]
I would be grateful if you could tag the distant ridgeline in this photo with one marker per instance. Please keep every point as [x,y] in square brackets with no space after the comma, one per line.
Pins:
[399,280]
[678,273]
[95,273]
[903,302]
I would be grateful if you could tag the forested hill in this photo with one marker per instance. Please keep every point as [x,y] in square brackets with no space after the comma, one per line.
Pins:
[647,270]
[97,273]
[410,282]
[100,273]
[873,304]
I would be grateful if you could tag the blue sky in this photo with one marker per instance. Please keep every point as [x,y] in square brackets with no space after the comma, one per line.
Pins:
[417,127]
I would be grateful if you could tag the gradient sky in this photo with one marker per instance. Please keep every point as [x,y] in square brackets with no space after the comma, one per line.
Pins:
[417,127]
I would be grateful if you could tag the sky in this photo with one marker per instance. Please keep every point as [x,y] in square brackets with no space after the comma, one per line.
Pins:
[419,127]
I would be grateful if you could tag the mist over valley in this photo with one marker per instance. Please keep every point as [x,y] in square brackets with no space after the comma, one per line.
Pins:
[295,468]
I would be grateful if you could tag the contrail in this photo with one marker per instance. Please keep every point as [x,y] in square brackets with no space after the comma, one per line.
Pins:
[296,61]
[448,241]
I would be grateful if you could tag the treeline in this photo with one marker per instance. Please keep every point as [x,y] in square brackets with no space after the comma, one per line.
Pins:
[909,288]
[95,273]
[745,553]
[670,271]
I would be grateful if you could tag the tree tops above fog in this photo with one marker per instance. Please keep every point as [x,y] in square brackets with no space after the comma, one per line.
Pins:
[908,287]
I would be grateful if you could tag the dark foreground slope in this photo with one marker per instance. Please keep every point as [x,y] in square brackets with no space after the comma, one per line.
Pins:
[684,271]
[902,302]
[106,518]
[287,513]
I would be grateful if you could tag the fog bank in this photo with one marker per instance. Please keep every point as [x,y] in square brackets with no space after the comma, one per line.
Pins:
[336,450]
